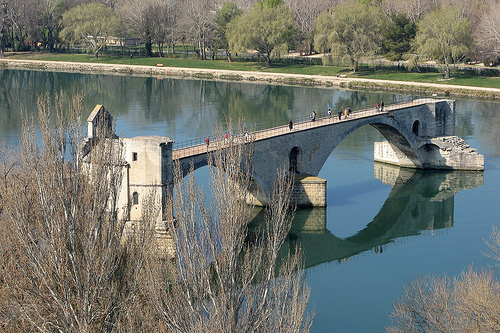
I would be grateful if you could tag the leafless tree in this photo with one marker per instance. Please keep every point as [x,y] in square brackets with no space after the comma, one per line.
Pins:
[467,303]
[63,263]
[219,282]
[487,32]
[3,23]
[138,14]
[198,20]
[414,10]
[164,17]
[306,13]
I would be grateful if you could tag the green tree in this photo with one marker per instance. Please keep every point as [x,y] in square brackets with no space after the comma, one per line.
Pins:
[90,23]
[226,14]
[444,36]
[265,28]
[351,30]
[273,3]
[398,36]
[324,27]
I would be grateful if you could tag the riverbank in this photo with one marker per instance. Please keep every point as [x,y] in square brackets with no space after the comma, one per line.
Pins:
[341,81]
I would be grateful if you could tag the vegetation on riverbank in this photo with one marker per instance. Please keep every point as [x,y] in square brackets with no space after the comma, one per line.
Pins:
[461,79]
[286,72]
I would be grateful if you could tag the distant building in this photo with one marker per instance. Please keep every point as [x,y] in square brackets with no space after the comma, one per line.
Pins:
[128,41]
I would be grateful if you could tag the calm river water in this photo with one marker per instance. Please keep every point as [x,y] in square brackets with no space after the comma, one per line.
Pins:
[383,226]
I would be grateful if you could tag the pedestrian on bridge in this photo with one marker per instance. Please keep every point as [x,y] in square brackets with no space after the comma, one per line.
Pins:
[290,124]
[207,140]
[329,113]
[313,116]
[340,114]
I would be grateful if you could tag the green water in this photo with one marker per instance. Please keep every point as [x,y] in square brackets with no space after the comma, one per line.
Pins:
[382,227]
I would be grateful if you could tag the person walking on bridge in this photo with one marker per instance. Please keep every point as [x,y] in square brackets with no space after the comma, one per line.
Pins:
[340,114]
[329,113]
[313,116]
[290,124]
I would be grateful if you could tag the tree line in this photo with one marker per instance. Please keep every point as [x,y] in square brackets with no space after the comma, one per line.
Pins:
[445,31]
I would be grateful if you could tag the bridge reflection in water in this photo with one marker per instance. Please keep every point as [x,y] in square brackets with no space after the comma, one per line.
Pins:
[419,200]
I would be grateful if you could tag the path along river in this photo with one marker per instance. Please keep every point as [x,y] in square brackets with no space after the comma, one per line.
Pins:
[373,237]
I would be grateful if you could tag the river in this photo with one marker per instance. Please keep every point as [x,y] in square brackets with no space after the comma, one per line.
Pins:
[383,226]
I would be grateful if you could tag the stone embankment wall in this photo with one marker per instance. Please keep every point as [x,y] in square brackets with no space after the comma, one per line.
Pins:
[262,77]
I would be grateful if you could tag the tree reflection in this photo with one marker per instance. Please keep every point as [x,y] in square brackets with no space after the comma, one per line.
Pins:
[185,109]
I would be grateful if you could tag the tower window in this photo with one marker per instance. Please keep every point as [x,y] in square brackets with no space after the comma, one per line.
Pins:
[135,198]
[134,156]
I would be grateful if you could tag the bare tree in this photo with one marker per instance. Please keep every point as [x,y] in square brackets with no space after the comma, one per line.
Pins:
[487,32]
[414,10]
[306,13]
[164,16]
[63,263]
[219,282]
[467,303]
[4,5]
[138,14]
[67,265]
[199,22]
[50,13]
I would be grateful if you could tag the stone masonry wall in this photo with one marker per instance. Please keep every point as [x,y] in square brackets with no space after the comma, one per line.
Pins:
[309,191]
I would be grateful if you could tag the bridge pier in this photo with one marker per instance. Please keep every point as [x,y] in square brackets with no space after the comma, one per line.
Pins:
[308,191]
[440,153]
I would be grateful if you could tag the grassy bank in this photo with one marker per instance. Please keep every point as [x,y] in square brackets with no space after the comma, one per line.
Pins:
[302,69]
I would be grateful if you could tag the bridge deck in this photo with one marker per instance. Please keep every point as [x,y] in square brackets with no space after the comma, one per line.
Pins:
[201,147]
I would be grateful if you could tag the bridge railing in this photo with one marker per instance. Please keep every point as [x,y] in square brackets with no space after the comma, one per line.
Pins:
[199,145]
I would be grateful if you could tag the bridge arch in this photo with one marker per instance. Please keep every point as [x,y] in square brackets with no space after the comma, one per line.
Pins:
[431,152]
[313,146]
[294,157]
[416,127]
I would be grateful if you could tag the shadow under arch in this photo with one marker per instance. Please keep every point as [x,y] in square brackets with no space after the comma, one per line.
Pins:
[419,200]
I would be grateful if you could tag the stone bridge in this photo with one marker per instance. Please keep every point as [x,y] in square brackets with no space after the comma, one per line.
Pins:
[419,134]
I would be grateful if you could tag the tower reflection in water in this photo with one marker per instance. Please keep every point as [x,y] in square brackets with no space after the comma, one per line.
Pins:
[419,200]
